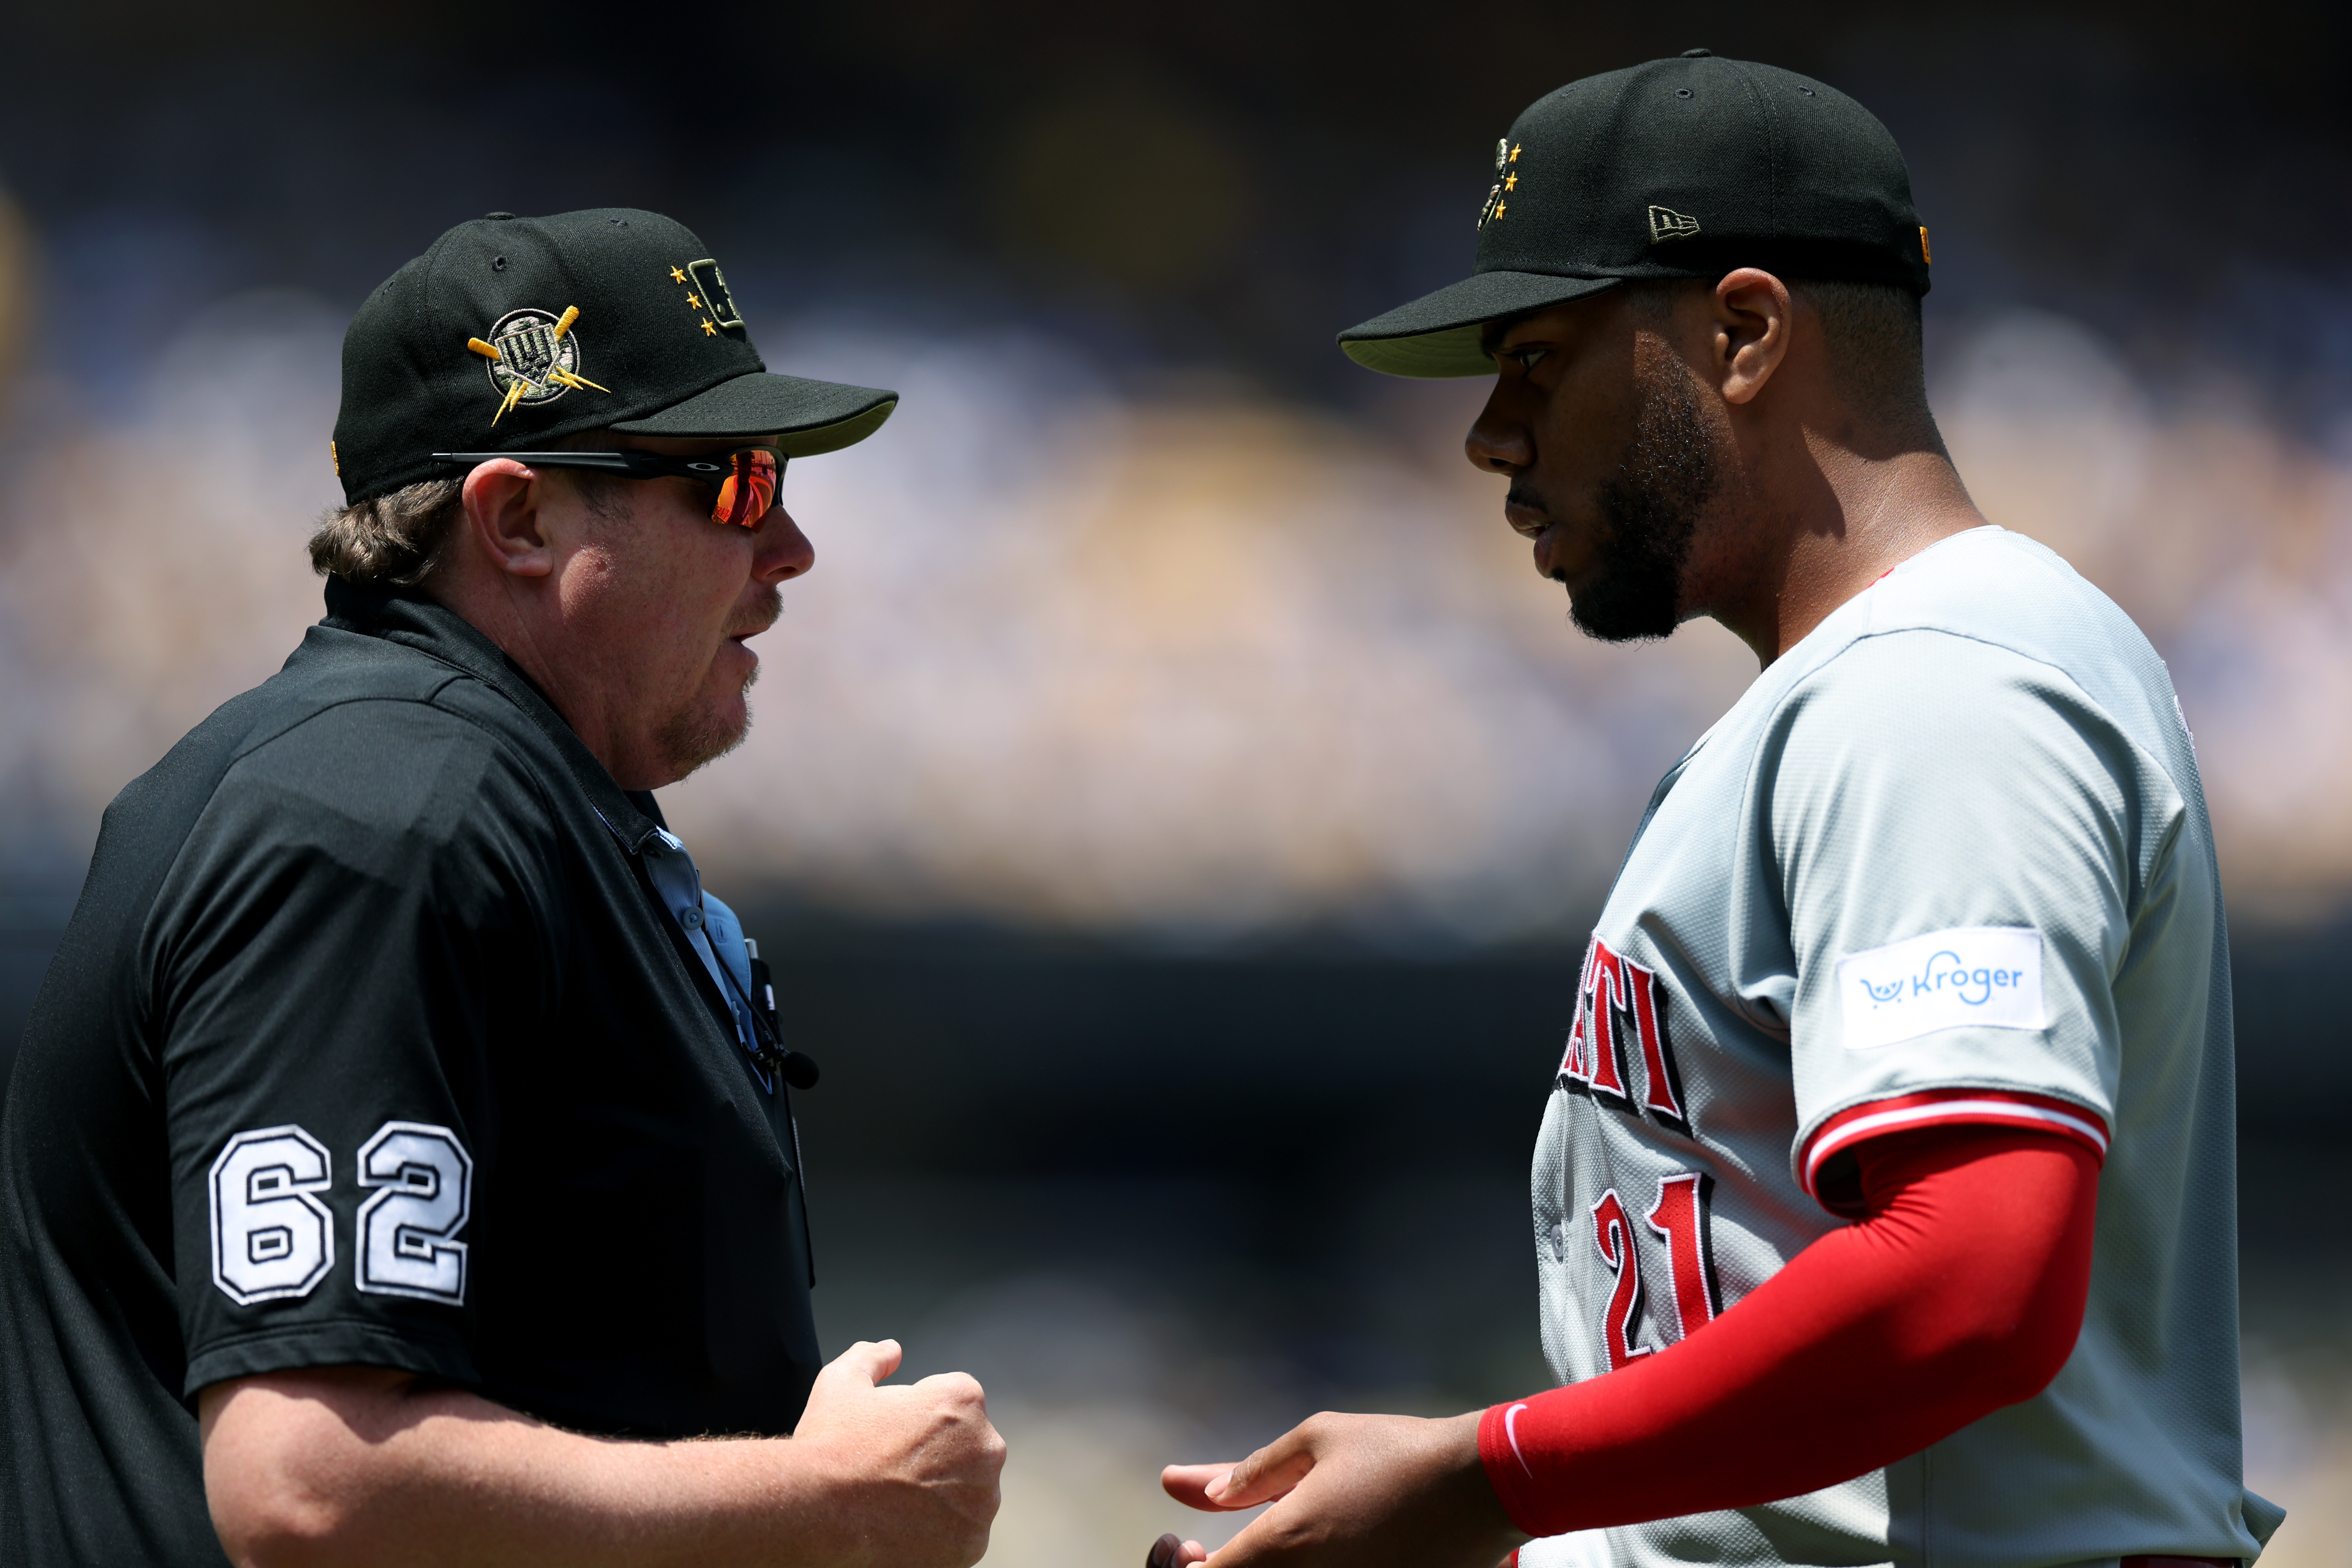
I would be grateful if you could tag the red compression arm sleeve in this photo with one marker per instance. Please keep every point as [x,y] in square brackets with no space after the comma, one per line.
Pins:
[1962,1291]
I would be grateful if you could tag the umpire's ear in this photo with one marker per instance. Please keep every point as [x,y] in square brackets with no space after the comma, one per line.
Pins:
[504,525]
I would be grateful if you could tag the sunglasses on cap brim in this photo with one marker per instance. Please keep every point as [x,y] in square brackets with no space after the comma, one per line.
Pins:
[744,482]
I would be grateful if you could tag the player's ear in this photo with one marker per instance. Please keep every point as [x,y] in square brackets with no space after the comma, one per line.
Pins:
[503,501]
[1750,313]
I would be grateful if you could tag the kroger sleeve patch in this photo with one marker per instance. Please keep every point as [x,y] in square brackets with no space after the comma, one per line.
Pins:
[1981,976]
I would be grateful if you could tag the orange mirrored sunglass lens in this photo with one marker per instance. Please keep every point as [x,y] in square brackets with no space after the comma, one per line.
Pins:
[745,495]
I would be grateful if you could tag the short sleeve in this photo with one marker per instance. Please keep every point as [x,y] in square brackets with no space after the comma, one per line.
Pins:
[1961,837]
[350,925]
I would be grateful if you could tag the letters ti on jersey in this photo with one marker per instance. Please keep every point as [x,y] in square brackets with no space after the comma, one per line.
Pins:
[1618,1003]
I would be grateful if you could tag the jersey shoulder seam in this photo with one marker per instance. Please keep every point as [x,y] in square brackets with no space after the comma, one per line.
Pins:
[432,698]
[1876,633]
[517,756]
[427,698]
[2058,672]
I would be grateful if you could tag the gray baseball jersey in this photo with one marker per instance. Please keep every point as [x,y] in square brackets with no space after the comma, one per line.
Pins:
[1947,861]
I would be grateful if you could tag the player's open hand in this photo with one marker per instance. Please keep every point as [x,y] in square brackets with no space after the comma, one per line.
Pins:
[916,1464]
[1351,1491]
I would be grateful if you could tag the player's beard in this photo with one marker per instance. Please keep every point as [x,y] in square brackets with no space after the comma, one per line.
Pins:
[1652,505]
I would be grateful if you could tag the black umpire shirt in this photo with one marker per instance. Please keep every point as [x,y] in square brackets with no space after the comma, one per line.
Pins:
[370,1042]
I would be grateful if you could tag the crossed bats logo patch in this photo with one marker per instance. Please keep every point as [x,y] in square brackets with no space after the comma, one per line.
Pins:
[534,358]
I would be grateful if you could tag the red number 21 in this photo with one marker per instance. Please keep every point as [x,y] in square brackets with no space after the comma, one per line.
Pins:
[1680,1217]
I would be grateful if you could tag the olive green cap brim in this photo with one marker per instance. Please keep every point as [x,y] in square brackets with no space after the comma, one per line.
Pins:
[1438,334]
[809,417]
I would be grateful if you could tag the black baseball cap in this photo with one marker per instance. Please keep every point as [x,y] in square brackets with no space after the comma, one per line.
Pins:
[511,332]
[1679,168]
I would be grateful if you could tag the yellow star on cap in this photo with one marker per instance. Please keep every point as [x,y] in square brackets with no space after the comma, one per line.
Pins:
[1511,183]
[676,275]
[1500,209]
[1515,155]
[708,330]
[692,304]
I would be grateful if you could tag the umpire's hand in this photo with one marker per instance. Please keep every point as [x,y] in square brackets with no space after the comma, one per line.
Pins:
[914,1466]
[1351,1491]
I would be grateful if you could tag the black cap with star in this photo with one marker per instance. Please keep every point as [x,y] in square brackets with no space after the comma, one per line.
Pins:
[511,332]
[1679,168]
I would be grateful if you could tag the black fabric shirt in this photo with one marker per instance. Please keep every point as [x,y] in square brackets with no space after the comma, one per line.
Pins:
[370,1043]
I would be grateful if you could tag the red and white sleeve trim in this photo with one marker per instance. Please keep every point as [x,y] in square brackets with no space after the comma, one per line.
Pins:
[1946,1107]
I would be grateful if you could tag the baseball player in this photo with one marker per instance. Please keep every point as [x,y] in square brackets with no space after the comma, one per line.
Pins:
[1884,1201]
[399,1165]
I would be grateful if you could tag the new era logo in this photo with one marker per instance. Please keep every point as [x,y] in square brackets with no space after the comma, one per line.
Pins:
[1667,224]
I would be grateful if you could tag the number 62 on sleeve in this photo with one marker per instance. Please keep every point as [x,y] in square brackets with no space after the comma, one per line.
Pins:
[272,1237]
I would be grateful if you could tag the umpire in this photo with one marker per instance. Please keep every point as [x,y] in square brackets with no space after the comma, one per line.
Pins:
[397,1167]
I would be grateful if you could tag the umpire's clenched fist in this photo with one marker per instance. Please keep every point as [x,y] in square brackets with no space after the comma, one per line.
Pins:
[914,1467]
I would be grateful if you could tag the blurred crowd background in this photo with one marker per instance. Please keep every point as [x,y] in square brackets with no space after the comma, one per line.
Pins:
[1174,805]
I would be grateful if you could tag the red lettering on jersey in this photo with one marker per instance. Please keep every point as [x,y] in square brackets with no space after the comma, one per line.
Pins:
[1680,1215]
[1595,1057]
[1662,1081]
[1621,1320]
[1575,1068]
[1616,996]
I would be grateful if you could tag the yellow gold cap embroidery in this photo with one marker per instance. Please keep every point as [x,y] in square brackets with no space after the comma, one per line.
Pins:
[534,359]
